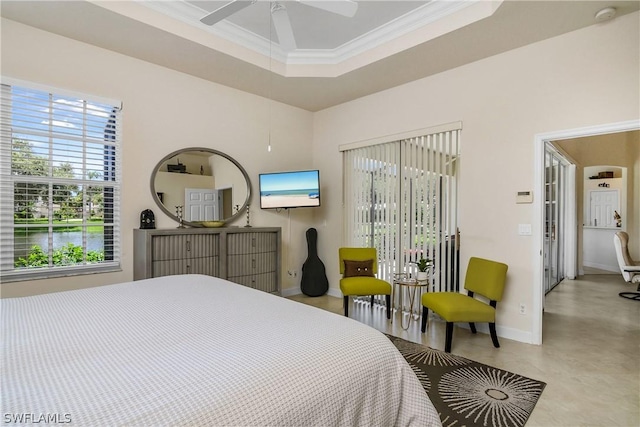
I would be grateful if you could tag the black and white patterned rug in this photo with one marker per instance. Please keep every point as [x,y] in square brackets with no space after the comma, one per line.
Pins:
[468,393]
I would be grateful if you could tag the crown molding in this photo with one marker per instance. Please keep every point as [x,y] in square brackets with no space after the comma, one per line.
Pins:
[412,21]
[418,26]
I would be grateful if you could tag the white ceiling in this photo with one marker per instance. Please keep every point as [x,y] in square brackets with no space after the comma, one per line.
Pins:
[338,59]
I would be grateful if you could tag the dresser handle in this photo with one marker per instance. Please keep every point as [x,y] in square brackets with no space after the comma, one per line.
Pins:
[188,246]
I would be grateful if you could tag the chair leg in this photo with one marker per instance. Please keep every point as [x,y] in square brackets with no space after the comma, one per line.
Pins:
[425,313]
[346,306]
[447,343]
[473,327]
[388,298]
[372,300]
[494,336]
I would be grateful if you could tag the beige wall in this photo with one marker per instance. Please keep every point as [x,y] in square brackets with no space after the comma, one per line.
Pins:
[583,78]
[164,110]
[580,79]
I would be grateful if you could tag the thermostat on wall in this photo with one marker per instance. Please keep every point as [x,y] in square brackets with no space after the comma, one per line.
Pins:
[524,197]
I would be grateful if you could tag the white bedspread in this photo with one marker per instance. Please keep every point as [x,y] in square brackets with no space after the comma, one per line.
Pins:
[197,350]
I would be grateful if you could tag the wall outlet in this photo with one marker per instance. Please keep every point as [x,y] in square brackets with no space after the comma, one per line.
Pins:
[523,309]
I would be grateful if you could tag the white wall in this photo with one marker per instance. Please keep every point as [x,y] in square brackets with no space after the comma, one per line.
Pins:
[599,250]
[583,78]
[164,110]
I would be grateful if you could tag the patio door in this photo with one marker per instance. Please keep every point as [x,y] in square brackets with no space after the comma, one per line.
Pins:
[400,197]
[554,218]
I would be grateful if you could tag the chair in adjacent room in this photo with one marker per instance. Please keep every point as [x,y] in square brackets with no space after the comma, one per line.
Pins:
[485,278]
[358,267]
[629,268]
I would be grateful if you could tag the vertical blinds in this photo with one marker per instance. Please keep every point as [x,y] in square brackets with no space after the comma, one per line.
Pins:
[401,198]
[60,191]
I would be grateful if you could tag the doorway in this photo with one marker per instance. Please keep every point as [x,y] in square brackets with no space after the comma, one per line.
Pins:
[539,211]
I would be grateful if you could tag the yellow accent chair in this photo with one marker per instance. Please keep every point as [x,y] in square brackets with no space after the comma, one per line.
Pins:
[484,277]
[358,267]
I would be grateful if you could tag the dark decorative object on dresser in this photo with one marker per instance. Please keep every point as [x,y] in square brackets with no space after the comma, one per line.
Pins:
[147,219]
[314,281]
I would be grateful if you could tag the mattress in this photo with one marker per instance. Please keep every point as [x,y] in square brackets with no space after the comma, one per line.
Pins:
[198,350]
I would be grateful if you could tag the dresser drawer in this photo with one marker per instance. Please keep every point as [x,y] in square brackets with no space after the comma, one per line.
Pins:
[241,265]
[266,282]
[209,266]
[185,246]
[248,243]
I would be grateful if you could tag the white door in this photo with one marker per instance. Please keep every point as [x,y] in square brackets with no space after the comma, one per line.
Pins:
[602,205]
[201,204]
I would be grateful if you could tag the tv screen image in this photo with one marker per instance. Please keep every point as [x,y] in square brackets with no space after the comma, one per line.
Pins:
[282,190]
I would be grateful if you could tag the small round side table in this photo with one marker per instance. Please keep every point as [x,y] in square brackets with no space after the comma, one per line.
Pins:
[413,288]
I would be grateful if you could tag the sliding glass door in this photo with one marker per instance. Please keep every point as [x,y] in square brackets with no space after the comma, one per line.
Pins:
[555,205]
[401,198]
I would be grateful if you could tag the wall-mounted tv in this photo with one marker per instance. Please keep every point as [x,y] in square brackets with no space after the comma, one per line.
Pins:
[284,190]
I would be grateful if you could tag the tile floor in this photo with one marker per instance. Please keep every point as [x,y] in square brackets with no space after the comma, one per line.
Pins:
[590,357]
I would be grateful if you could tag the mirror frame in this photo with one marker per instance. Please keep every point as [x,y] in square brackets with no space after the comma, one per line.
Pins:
[173,216]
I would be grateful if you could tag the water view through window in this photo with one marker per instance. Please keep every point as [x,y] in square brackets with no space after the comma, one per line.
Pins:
[95,241]
[63,176]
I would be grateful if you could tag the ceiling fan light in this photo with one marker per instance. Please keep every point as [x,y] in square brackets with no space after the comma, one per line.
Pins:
[282,24]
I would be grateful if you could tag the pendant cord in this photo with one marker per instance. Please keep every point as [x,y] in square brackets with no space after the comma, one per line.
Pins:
[270,76]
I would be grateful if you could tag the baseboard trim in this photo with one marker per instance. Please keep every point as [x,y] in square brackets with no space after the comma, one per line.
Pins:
[606,267]
[502,332]
[332,292]
[288,292]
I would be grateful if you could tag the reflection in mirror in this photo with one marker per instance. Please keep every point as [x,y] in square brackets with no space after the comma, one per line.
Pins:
[210,185]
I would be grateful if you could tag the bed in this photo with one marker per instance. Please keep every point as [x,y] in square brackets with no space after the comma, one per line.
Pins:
[198,350]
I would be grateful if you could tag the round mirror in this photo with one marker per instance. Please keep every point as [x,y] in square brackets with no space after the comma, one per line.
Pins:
[205,184]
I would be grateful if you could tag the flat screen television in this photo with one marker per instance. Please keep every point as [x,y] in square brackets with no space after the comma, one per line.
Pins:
[284,190]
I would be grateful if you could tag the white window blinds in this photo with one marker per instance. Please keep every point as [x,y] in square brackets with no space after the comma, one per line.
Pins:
[60,191]
[400,197]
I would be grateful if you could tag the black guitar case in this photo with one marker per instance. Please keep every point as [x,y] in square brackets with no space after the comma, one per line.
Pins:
[314,281]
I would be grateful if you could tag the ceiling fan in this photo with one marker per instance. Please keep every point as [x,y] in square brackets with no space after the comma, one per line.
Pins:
[280,16]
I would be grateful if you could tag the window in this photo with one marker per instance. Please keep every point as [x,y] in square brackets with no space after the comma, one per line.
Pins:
[60,190]
[400,196]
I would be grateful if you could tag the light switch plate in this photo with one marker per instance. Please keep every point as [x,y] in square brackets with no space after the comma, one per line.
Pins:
[524,229]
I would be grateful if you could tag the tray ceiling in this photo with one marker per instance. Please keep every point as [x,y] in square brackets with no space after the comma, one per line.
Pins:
[337,60]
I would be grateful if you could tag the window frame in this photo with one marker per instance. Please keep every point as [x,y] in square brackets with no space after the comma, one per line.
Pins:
[112,182]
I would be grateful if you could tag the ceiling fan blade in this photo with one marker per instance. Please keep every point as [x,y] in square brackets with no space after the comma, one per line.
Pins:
[346,8]
[226,11]
[282,25]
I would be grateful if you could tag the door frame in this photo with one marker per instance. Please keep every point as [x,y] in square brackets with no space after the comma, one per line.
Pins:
[538,209]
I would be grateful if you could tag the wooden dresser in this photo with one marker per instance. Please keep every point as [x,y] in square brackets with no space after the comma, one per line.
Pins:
[248,256]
